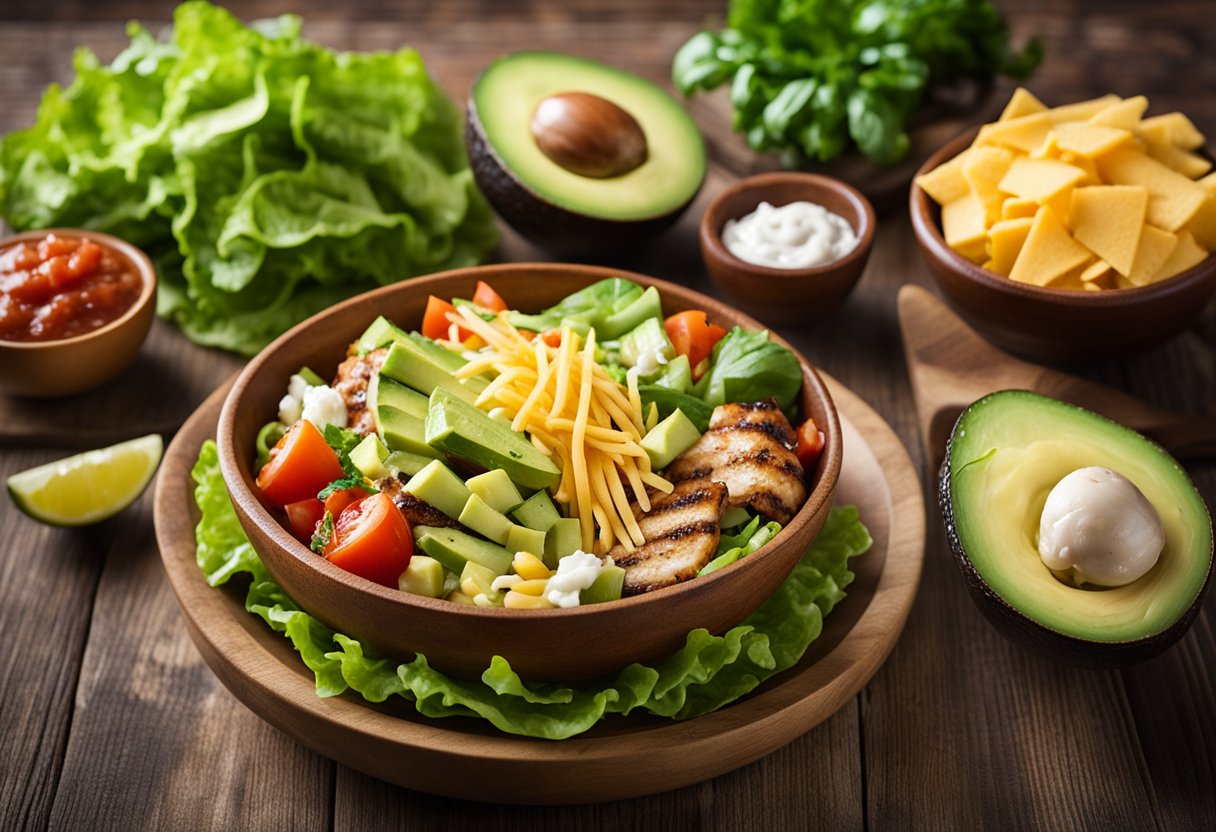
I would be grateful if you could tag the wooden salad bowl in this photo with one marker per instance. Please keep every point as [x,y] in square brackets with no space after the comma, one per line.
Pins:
[1054,324]
[541,645]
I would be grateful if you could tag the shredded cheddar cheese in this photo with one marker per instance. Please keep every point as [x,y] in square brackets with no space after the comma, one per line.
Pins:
[578,415]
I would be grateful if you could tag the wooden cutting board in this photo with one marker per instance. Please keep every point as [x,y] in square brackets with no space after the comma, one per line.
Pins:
[951,366]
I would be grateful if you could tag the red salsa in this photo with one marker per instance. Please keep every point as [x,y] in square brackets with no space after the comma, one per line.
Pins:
[60,287]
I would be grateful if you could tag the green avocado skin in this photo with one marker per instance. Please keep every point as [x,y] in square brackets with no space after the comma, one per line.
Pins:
[1032,636]
[550,226]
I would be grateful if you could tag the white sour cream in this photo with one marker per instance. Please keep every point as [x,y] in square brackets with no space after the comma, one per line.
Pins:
[1098,528]
[321,405]
[575,573]
[796,236]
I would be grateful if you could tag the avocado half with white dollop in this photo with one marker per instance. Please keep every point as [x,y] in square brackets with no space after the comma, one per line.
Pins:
[578,156]
[1050,510]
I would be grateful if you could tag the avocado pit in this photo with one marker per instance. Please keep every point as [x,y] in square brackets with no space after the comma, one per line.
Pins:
[1098,530]
[588,135]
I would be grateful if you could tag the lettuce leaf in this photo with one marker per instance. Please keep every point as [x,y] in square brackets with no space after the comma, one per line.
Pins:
[748,367]
[704,675]
[268,177]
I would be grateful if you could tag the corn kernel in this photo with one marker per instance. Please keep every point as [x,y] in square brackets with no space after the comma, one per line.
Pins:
[519,601]
[533,587]
[530,567]
[458,597]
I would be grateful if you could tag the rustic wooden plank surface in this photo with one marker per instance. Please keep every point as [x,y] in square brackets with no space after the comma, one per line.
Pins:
[110,720]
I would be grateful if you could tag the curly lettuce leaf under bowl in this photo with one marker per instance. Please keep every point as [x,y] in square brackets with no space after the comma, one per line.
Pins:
[708,673]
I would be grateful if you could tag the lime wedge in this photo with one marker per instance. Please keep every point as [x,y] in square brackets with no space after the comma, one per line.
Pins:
[88,487]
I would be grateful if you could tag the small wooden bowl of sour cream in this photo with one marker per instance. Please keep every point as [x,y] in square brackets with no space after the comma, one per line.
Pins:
[771,246]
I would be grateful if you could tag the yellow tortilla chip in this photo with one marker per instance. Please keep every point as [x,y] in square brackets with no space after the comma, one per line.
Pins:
[945,183]
[1039,179]
[1107,220]
[1090,140]
[1017,206]
[964,229]
[1203,225]
[1005,241]
[1172,198]
[983,171]
[1021,103]
[1082,110]
[1190,165]
[1049,251]
[1186,253]
[1125,114]
[1100,273]
[1175,128]
[1025,133]
[1154,250]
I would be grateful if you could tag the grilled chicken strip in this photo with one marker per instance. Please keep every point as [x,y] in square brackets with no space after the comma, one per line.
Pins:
[750,449]
[417,512]
[681,531]
[351,381]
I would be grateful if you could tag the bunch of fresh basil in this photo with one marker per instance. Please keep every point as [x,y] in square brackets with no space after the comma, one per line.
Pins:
[810,76]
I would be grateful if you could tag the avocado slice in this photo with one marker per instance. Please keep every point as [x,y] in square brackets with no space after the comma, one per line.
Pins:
[424,368]
[403,432]
[383,390]
[639,158]
[460,429]
[380,333]
[1006,453]
[453,548]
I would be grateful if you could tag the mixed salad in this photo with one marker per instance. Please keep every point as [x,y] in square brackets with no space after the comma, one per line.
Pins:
[503,459]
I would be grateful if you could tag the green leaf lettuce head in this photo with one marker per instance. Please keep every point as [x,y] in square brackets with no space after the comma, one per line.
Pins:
[706,674]
[268,177]
[812,77]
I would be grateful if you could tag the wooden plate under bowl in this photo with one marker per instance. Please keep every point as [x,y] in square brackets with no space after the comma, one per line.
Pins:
[469,759]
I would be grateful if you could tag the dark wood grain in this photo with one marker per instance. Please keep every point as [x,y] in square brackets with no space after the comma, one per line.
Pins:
[957,730]
[153,730]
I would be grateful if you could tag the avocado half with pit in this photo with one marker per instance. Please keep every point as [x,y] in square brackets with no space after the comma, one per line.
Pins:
[1007,452]
[578,156]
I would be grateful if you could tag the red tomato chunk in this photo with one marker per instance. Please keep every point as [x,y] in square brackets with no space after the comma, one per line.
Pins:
[61,287]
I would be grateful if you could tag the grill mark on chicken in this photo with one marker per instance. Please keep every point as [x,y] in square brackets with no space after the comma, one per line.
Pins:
[681,531]
[351,380]
[750,449]
[417,512]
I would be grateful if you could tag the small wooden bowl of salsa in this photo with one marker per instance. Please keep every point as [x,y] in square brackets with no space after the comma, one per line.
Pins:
[75,306]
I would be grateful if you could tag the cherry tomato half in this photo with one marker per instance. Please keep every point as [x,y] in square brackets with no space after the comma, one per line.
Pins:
[372,539]
[301,464]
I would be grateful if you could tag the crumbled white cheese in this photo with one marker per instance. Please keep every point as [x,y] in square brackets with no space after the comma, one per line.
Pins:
[575,573]
[321,405]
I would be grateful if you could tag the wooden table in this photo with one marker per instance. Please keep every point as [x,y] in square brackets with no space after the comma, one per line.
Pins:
[110,720]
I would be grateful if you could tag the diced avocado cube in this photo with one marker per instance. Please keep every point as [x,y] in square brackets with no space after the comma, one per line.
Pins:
[382,390]
[523,539]
[669,438]
[647,347]
[677,375]
[735,516]
[606,587]
[404,462]
[479,517]
[369,456]
[476,579]
[424,576]
[454,548]
[403,432]
[565,537]
[410,364]
[646,306]
[312,378]
[460,429]
[437,485]
[496,488]
[537,512]
[381,332]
